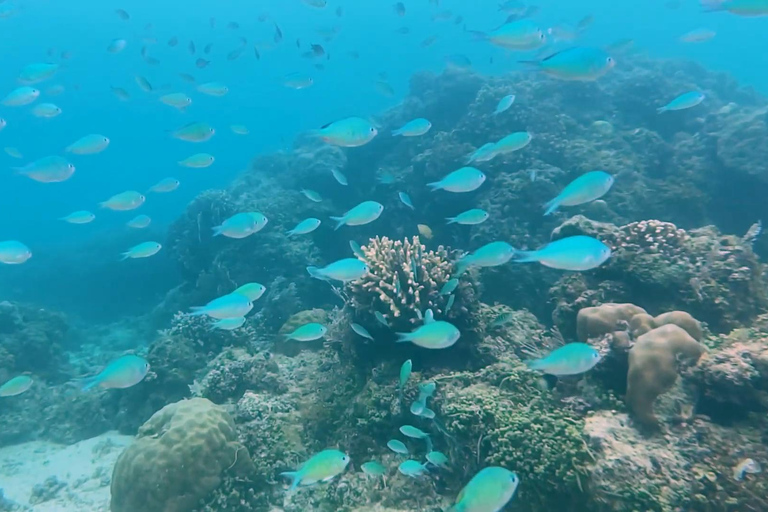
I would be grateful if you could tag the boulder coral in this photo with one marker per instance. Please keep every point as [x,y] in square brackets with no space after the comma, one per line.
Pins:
[179,456]
[653,367]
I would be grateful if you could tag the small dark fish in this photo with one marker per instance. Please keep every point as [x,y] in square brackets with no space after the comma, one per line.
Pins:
[235,54]
[339,12]
[187,77]
[428,41]
[442,16]
[148,27]
[385,89]
[66,55]
[383,75]
[298,43]
[354,54]
[143,52]
[212,22]
[278,34]
[403,30]
[143,84]
[122,14]
[121,93]
[51,52]
[202,63]
[321,67]
[233,25]
[399,8]
[208,48]
[256,52]
[151,61]
[316,50]
[192,48]
[458,61]
[458,20]
[585,22]
[263,17]
[243,41]
[173,41]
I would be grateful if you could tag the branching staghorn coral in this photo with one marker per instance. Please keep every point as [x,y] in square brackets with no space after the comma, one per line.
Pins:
[406,279]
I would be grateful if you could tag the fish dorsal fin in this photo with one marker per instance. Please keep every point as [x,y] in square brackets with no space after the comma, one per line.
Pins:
[429,317]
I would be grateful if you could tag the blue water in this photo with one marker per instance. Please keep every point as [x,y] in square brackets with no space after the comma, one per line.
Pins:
[142,151]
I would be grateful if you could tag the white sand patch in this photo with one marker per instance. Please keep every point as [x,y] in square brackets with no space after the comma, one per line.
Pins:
[85,468]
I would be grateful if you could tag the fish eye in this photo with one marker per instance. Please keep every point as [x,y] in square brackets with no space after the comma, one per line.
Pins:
[345,458]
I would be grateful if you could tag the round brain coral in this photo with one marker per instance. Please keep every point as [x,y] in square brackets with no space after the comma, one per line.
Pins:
[180,455]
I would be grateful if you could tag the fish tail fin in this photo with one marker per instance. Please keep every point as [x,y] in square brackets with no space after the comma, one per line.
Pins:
[397,132]
[535,364]
[339,221]
[478,35]
[403,337]
[462,265]
[290,232]
[19,170]
[551,206]
[294,476]
[533,63]
[451,220]
[197,311]
[217,230]
[125,256]
[88,383]
[435,185]
[526,256]
[430,446]
[661,109]
[316,273]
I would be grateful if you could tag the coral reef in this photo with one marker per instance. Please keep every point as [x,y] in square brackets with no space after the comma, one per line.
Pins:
[405,280]
[653,366]
[179,456]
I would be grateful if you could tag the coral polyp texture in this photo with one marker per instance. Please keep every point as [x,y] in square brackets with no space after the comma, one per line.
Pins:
[179,456]
[406,279]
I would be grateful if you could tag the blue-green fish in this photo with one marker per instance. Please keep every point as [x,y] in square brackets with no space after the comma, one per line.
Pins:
[297,81]
[165,185]
[311,195]
[88,145]
[346,270]
[483,153]
[79,217]
[405,373]
[571,253]
[578,63]
[308,332]
[228,324]
[13,252]
[253,291]
[489,255]
[584,189]
[413,432]
[435,335]
[124,201]
[511,143]
[305,226]
[50,169]
[504,104]
[37,72]
[213,89]
[142,250]
[522,34]
[139,222]
[429,316]
[121,373]
[380,318]
[437,459]
[426,413]
[364,213]
[349,133]
[413,128]
[684,101]
[488,491]
[449,286]
[397,447]
[321,467]
[117,45]
[46,110]
[362,331]
[746,8]
[465,179]
[241,225]
[406,200]
[198,161]
[339,177]
[21,96]
[469,217]
[449,304]
[233,305]
[570,359]
[502,319]
[194,132]
[412,468]
[373,468]
[16,386]
[357,250]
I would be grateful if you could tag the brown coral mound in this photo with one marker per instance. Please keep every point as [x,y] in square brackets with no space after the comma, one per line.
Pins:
[653,367]
[604,319]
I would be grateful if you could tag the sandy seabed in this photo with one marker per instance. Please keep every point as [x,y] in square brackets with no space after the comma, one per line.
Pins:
[83,471]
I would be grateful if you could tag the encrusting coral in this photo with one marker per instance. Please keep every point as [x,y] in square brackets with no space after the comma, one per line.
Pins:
[653,367]
[405,280]
[179,456]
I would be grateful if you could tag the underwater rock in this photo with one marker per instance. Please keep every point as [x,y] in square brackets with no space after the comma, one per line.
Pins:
[179,456]
[653,367]
[597,321]
[46,491]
